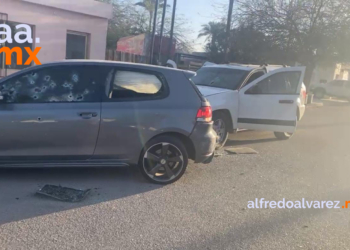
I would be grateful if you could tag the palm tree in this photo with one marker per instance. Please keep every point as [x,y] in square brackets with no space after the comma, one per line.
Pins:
[213,31]
[149,6]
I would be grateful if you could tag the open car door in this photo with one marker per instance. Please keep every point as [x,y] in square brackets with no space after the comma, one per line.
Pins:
[270,102]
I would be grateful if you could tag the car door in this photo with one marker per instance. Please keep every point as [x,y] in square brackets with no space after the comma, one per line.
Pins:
[133,109]
[51,112]
[270,102]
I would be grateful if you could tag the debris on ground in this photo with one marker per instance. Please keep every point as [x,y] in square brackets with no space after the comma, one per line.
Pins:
[238,151]
[217,154]
[64,193]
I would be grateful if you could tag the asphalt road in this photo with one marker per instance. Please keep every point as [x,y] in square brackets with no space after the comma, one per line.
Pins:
[206,209]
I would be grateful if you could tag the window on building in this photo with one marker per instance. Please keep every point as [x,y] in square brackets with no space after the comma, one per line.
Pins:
[77,45]
[56,84]
[14,44]
[135,85]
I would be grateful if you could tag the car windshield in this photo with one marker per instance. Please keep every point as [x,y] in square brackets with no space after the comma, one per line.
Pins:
[220,77]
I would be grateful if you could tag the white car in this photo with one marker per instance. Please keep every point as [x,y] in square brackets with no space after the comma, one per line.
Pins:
[248,97]
[336,88]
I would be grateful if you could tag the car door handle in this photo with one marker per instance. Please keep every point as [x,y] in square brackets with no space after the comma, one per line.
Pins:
[88,115]
[286,101]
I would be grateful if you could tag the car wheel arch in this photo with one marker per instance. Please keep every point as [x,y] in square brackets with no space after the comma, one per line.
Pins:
[227,113]
[182,137]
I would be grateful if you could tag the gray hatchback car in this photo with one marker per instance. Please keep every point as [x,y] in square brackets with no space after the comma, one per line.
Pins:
[98,113]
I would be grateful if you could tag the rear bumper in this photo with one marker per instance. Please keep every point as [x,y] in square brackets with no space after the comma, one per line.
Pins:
[204,141]
[301,111]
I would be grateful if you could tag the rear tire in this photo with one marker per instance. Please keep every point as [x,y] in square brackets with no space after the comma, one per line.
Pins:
[283,136]
[164,160]
[221,125]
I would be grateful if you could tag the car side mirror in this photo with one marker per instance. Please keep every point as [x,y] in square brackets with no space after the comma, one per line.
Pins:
[255,90]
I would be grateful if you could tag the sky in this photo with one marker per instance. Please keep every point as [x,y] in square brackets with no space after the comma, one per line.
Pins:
[198,12]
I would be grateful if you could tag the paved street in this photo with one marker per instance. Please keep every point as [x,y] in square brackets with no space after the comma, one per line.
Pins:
[206,209]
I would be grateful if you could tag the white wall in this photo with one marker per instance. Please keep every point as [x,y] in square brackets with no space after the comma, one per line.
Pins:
[52,24]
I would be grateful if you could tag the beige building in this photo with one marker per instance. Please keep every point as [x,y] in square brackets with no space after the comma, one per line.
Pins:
[68,29]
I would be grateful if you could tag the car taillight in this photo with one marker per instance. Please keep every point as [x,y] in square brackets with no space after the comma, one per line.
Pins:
[205,114]
[304,95]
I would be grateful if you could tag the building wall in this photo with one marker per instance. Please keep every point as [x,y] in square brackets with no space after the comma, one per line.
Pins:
[51,25]
[325,73]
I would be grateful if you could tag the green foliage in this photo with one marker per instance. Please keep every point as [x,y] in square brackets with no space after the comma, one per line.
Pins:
[288,31]
[129,19]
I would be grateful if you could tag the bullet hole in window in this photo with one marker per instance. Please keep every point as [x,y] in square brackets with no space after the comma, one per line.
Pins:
[86,91]
[31,82]
[75,78]
[70,97]
[35,97]
[47,78]
[80,98]
[65,85]
[52,84]
[37,90]
[43,88]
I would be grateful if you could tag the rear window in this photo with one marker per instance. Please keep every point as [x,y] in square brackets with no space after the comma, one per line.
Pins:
[220,77]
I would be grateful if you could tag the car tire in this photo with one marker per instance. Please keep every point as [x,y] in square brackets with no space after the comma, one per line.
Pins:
[283,136]
[163,160]
[319,93]
[221,125]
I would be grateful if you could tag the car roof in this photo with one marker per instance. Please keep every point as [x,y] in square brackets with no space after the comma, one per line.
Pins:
[105,62]
[93,62]
[233,66]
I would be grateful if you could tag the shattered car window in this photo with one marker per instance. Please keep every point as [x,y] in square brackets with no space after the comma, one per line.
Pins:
[54,84]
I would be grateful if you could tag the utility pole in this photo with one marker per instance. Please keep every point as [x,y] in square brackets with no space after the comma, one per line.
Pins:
[161,30]
[170,46]
[228,29]
[153,32]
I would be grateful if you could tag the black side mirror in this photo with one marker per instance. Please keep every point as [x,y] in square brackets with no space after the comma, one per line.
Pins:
[255,90]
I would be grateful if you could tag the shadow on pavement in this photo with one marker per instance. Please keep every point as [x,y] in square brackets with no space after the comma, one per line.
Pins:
[18,188]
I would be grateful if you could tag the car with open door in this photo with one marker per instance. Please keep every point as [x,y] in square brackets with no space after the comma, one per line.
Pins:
[95,113]
[243,97]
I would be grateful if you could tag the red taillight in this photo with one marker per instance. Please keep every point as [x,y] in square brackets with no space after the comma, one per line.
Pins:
[304,95]
[204,114]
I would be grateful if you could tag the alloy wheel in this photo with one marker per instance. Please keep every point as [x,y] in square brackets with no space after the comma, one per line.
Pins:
[220,129]
[163,162]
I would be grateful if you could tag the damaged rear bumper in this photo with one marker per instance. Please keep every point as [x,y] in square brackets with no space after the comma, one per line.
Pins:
[204,141]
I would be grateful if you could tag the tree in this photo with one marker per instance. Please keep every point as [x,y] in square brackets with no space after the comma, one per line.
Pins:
[213,32]
[149,6]
[307,31]
[129,20]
